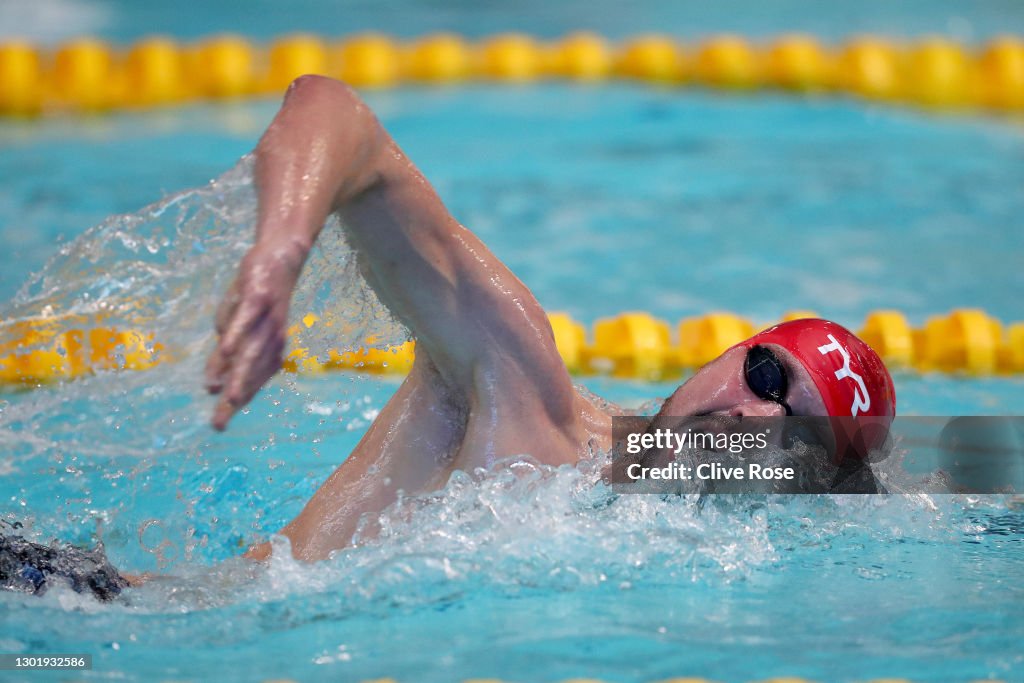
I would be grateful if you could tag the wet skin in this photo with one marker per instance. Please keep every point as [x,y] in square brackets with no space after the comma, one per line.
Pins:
[488,382]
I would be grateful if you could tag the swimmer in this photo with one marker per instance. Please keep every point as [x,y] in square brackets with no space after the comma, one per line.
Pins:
[488,382]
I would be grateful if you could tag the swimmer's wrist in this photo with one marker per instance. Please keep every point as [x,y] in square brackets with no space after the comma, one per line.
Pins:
[289,250]
[296,248]
[294,235]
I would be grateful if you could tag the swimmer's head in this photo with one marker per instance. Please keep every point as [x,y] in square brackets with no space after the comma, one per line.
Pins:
[807,367]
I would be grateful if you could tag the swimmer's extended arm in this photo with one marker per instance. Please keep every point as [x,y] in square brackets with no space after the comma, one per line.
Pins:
[326,152]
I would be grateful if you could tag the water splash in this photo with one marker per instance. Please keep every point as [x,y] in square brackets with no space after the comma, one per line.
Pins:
[522,528]
[162,271]
[92,451]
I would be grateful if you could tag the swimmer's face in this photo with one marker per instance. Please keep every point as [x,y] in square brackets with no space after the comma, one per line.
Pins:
[721,388]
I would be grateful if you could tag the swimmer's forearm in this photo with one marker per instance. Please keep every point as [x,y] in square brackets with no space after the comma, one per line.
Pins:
[326,152]
[318,154]
[321,151]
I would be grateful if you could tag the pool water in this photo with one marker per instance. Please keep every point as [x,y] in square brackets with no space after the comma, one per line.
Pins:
[128,20]
[602,199]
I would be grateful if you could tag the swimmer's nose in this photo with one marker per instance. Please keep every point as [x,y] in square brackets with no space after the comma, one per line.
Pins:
[757,409]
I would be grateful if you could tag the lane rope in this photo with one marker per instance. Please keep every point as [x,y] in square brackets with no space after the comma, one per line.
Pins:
[633,345]
[88,75]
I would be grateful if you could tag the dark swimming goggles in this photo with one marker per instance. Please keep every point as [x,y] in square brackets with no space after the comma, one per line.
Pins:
[766,376]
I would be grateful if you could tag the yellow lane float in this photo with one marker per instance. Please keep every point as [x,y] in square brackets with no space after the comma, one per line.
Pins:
[869,68]
[726,62]
[889,334]
[1011,354]
[967,340]
[651,58]
[440,58]
[39,352]
[89,75]
[704,338]
[83,75]
[21,81]
[798,62]
[1001,74]
[154,73]
[291,57]
[370,60]
[581,56]
[510,57]
[634,345]
[222,67]
[938,73]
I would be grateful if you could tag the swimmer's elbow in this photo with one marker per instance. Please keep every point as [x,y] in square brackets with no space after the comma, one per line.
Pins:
[323,92]
[326,128]
[312,85]
[319,102]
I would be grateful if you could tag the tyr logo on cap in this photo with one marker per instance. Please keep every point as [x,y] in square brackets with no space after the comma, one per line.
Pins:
[861,399]
[850,376]
[873,412]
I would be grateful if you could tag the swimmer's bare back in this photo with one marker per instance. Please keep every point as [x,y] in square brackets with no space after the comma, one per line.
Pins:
[487,382]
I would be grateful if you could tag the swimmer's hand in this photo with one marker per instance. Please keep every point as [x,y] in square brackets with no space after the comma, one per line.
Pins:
[251,324]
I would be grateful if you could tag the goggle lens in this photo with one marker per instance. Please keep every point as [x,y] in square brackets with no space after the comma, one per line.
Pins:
[766,376]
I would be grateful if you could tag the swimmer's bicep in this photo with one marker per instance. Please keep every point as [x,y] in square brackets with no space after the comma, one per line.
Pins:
[511,344]
[476,321]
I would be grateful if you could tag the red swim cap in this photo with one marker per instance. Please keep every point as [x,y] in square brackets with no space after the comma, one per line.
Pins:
[850,376]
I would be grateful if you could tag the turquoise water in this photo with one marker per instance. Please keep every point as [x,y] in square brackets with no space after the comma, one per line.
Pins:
[125,20]
[601,199]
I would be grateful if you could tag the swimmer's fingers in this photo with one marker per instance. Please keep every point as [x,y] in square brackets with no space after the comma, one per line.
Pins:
[218,362]
[216,367]
[246,379]
[264,287]
[225,364]
[253,309]
[222,414]
[258,359]
[253,294]
[227,307]
[251,321]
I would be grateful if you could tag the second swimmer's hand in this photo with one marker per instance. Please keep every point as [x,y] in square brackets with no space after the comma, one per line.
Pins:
[251,324]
